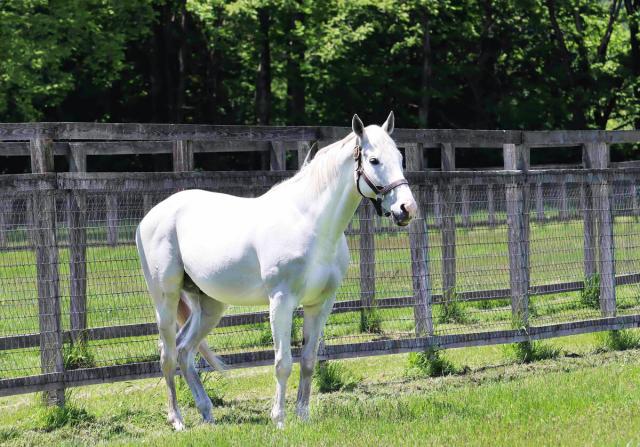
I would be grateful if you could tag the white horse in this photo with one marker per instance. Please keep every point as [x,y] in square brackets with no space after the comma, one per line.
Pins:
[285,248]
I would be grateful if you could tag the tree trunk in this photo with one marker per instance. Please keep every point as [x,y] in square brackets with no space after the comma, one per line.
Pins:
[168,20]
[633,9]
[156,79]
[425,91]
[295,81]
[263,82]
[214,75]
[182,54]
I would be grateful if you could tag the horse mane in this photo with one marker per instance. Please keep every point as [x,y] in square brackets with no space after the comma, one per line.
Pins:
[321,170]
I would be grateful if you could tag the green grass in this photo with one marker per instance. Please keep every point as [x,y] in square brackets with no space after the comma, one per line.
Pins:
[584,397]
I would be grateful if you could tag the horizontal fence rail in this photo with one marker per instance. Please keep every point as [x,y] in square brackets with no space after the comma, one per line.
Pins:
[495,256]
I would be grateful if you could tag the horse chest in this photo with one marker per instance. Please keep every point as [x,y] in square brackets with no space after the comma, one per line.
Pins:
[307,273]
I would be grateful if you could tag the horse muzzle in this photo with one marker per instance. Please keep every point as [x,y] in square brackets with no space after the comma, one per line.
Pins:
[406,213]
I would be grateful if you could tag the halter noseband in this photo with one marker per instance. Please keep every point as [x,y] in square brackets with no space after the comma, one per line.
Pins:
[379,191]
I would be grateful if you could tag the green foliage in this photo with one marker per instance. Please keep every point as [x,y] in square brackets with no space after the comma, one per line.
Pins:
[430,363]
[370,321]
[620,340]
[58,58]
[333,376]
[77,355]
[51,51]
[590,294]
[453,311]
[531,351]
[48,418]
[214,384]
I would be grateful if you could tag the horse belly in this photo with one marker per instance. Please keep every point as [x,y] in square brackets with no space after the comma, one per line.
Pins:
[226,271]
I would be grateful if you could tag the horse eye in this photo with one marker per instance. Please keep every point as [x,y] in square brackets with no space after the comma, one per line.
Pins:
[374,161]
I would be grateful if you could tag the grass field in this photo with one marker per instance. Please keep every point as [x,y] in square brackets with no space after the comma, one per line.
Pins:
[586,396]
[117,295]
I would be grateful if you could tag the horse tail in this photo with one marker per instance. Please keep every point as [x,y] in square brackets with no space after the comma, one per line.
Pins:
[203,348]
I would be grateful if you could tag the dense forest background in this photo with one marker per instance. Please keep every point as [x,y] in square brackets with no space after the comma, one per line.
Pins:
[480,64]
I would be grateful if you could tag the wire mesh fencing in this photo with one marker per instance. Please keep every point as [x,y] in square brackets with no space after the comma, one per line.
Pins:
[486,253]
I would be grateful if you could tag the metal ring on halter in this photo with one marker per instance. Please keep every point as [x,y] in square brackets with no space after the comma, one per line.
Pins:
[378,190]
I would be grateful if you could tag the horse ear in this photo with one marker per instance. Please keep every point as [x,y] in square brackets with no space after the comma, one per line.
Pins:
[389,124]
[357,126]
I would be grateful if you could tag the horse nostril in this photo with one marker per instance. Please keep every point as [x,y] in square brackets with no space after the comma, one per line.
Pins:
[404,209]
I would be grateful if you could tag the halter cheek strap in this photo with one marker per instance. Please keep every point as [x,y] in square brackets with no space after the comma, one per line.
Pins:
[379,191]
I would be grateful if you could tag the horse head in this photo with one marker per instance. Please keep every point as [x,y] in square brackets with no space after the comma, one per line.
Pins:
[378,172]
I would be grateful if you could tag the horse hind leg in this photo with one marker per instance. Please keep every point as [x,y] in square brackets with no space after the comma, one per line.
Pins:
[205,315]
[165,290]
[166,309]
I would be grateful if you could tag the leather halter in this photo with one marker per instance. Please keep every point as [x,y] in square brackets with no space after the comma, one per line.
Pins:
[379,191]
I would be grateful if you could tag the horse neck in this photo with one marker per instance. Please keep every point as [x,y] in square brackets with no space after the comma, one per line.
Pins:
[332,206]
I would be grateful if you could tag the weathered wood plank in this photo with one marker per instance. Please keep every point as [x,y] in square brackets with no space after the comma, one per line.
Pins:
[131,131]
[517,203]
[367,260]
[143,329]
[111,204]
[597,155]
[6,205]
[43,220]
[414,157]
[77,221]
[564,202]
[539,202]
[183,160]
[419,245]
[578,137]
[303,151]
[448,163]
[278,156]
[491,206]
[380,347]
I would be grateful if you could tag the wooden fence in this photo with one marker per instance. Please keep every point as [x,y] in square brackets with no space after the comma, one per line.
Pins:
[592,196]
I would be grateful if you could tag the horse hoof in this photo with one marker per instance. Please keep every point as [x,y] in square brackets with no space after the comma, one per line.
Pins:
[208,420]
[303,414]
[280,425]
[177,425]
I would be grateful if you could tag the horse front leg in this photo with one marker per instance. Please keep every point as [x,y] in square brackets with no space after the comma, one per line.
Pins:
[281,309]
[315,318]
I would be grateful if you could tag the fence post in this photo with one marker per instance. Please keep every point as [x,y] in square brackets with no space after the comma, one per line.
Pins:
[419,245]
[539,202]
[633,190]
[564,208]
[367,261]
[5,211]
[278,156]
[589,212]
[491,206]
[303,150]
[466,206]
[597,155]
[43,218]
[516,157]
[111,203]
[448,204]
[437,206]
[77,221]
[183,160]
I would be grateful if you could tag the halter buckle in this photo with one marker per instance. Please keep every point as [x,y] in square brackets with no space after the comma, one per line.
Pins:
[357,151]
